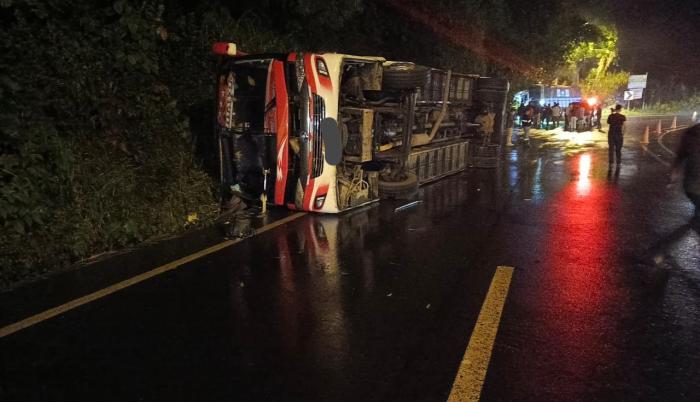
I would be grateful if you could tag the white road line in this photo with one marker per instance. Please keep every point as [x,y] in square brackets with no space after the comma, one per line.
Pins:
[653,155]
[661,143]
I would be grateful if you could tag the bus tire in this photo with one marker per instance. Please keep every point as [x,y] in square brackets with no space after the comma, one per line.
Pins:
[399,190]
[404,76]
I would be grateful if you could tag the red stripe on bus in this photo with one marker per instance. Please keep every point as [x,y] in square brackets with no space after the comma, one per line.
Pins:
[282,132]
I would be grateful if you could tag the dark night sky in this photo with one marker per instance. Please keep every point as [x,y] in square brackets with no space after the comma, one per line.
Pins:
[660,37]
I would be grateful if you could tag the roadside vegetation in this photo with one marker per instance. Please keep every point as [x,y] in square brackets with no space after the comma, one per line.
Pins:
[101,111]
[106,106]
[687,105]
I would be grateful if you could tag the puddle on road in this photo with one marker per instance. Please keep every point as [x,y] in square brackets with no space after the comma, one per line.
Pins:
[571,142]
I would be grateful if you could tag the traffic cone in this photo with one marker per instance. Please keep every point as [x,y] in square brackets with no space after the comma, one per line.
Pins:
[509,137]
[674,124]
[658,127]
[645,137]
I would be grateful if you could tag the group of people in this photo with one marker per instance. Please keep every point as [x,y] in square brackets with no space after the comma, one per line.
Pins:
[686,167]
[576,116]
[540,117]
[581,116]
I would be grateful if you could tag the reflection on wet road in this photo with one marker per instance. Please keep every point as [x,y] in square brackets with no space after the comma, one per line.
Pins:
[379,304]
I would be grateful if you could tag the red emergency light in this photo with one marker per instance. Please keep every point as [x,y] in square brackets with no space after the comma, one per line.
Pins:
[592,101]
[226,49]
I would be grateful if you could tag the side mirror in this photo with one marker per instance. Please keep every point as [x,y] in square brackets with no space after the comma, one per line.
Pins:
[331,137]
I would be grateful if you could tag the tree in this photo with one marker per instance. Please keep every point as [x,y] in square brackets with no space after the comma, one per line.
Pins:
[594,58]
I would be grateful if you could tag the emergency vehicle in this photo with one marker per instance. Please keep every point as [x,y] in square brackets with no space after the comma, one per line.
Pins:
[563,95]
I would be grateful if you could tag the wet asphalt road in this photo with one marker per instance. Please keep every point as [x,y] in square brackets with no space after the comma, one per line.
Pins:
[378,305]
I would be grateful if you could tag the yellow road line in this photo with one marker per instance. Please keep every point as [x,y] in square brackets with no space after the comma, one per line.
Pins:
[45,315]
[472,371]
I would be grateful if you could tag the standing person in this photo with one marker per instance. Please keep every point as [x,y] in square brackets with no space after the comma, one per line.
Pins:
[687,164]
[616,121]
[486,120]
[564,117]
[599,116]
[526,123]
[556,114]
[521,110]
[581,116]
[491,122]
[573,117]
[510,118]
[546,116]
[535,114]
[510,123]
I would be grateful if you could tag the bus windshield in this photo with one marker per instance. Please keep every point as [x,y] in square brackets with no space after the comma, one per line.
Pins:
[246,100]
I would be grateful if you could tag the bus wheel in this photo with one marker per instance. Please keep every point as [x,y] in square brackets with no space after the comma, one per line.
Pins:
[400,75]
[399,190]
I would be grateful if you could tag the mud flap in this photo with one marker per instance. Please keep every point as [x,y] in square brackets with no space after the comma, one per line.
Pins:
[299,195]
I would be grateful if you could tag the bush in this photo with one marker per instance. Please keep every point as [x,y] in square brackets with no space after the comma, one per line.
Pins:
[95,151]
[101,107]
[689,104]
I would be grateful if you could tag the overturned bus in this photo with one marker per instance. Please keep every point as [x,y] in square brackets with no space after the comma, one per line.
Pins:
[330,132]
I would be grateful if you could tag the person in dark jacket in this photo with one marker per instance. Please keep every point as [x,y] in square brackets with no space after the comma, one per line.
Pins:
[616,121]
[687,166]
[526,122]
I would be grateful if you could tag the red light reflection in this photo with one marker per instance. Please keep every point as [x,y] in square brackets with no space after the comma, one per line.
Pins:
[583,185]
[578,292]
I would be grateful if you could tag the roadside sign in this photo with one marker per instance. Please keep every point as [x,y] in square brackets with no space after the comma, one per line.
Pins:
[637,82]
[632,94]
